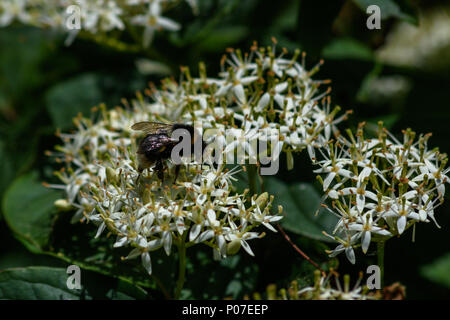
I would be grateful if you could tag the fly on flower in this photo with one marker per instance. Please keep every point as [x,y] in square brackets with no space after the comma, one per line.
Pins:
[159,143]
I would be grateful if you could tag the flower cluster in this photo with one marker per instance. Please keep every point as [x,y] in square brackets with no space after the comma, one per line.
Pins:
[424,46]
[323,290]
[102,183]
[257,92]
[257,95]
[380,187]
[94,16]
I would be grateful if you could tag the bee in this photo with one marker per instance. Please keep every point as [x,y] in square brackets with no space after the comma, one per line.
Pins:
[157,145]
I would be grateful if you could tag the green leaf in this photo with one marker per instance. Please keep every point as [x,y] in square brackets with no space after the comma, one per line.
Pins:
[287,19]
[24,49]
[365,89]
[223,37]
[347,48]
[6,168]
[197,31]
[46,283]
[35,283]
[65,100]
[388,120]
[208,279]
[300,202]
[75,243]
[401,9]
[438,271]
[28,210]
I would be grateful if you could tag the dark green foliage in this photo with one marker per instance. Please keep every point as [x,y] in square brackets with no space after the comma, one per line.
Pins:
[43,84]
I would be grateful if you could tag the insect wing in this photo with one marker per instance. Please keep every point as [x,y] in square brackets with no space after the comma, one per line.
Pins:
[152,127]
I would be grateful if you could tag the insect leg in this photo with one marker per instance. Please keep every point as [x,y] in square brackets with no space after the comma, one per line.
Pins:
[140,169]
[137,179]
[160,169]
[177,171]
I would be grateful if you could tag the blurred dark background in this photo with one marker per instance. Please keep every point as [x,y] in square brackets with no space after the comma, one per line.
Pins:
[399,74]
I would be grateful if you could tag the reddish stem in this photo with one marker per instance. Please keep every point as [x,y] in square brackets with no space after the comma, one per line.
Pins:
[300,251]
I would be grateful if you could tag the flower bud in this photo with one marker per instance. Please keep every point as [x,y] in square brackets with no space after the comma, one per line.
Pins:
[290,160]
[63,205]
[271,291]
[111,175]
[233,247]
[280,209]
[261,201]
[146,196]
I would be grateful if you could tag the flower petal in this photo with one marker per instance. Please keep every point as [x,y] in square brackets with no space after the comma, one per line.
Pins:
[365,241]
[350,253]
[401,224]
[247,248]
[147,262]
[195,231]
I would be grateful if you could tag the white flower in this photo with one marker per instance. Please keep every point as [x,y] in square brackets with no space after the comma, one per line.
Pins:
[96,17]
[242,236]
[366,226]
[323,290]
[153,21]
[380,187]
[13,9]
[100,180]
[437,174]
[345,246]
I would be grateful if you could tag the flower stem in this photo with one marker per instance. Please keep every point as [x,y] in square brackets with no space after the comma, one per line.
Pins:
[161,286]
[380,255]
[288,239]
[251,174]
[181,266]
